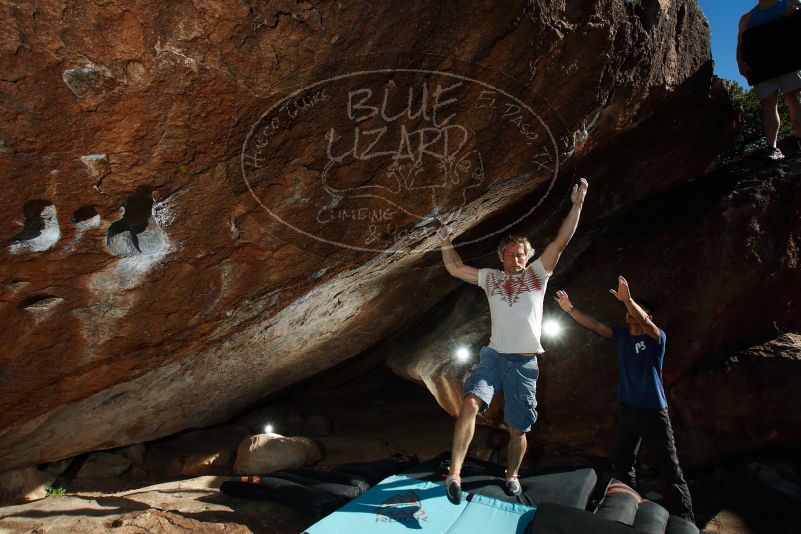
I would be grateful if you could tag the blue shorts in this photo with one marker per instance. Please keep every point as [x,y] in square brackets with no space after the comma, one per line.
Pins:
[515,375]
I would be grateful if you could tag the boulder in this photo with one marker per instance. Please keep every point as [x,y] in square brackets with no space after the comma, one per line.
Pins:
[57,468]
[104,465]
[161,460]
[22,485]
[136,474]
[173,467]
[135,453]
[742,402]
[207,463]
[318,426]
[180,281]
[264,453]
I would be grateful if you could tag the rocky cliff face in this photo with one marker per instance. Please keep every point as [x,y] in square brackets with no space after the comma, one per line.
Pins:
[208,202]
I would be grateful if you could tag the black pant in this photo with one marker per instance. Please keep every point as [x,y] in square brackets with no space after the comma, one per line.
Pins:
[653,427]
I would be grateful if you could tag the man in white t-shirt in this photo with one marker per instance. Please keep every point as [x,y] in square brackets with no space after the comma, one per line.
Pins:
[509,363]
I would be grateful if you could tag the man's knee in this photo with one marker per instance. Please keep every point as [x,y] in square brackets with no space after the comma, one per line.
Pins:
[515,433]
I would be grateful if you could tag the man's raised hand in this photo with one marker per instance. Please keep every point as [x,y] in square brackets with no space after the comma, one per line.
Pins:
[579,192]
[443,232]
[563,300]
[623,293]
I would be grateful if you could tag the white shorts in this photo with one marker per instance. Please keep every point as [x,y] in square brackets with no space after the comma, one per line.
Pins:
[787,83]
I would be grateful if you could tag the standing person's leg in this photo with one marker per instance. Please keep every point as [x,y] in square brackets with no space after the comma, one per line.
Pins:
[658,437]
[793,99]
[627,444]
[770,117]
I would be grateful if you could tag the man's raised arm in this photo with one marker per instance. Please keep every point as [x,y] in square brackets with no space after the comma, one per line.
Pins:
[550,255]
[587,321]
[623,294]
[453,263]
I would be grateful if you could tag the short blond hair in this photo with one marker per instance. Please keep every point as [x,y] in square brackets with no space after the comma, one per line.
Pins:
[516,239]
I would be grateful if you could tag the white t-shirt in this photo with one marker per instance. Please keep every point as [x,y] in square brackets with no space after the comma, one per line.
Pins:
[515,307]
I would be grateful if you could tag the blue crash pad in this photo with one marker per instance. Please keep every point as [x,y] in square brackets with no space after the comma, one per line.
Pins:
[402,504]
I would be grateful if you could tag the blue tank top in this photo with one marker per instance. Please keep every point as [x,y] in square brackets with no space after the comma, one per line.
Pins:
[763,16]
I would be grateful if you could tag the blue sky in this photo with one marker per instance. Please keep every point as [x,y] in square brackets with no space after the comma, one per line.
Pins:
[723,17]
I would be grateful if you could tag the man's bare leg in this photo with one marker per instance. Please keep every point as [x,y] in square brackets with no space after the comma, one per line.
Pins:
[462,436]
[770,118]
[793,100]
[517,449]
[463,433]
